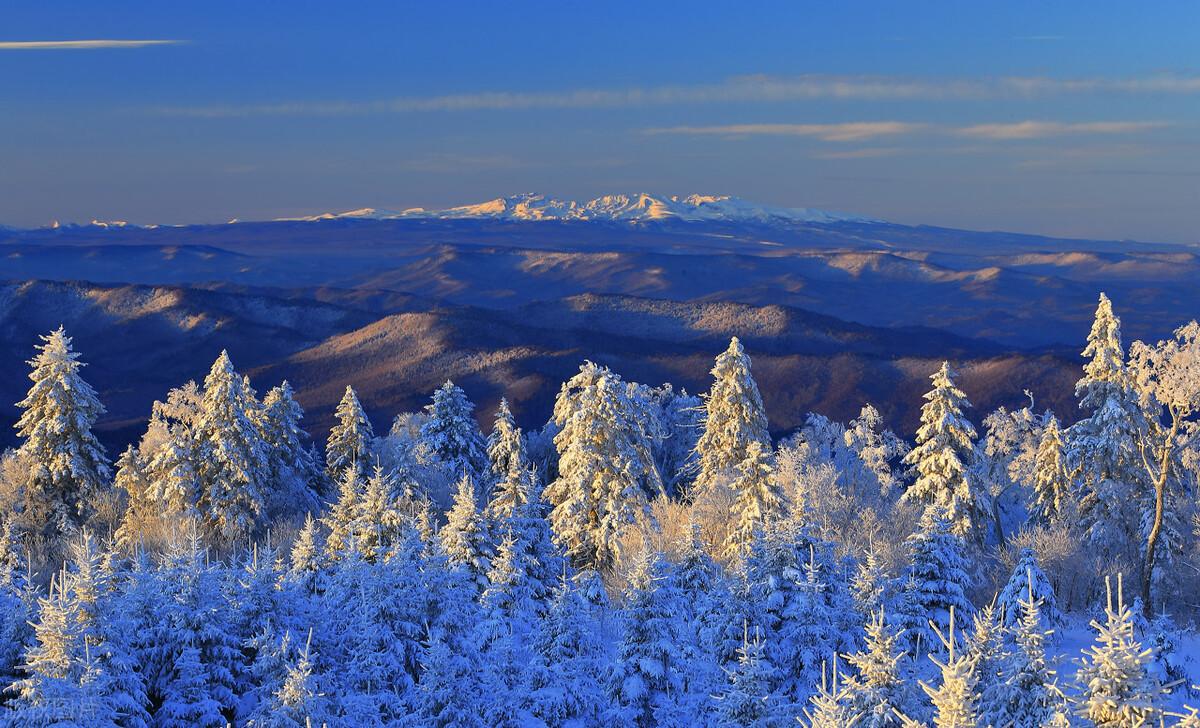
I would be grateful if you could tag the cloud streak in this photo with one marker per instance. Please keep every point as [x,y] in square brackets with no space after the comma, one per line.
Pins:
[737,90]
[846,132]
[1044,129]
[867,130]
[78,45]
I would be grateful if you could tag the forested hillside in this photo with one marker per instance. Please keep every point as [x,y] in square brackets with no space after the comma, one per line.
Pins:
[647,557]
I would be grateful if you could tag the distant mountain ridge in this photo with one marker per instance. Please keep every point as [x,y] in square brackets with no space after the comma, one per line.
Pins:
[632,208]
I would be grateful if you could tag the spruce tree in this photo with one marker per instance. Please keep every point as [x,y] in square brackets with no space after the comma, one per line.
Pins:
[231,460]
[342,519]
[307,563]
[565,686]
[350,442]
[1051,481]
[758,498]
[936,578]
[1030,696]
[506,445]
[1102,447]
[605,472]
[956,699]
[647,680]
[734,417]
[1028,572]
[68,466]
[453,437]
[141,508]
[297,481]
[463,538]
[943,456]
[877,691]
[748,699]
[1115,686]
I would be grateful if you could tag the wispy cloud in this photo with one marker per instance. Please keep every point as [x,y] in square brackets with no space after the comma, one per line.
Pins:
[867,130]
[1044,129]
[78,45]
[737,90]
[844,132]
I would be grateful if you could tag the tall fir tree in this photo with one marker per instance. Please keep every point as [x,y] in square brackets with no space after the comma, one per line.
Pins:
[351,440]
[605,471]
[758,498]
[1102,447]
[565,686]
[734,417]
[935,582]
[297,480]
[647,680]
[463,537]
[453,437]
[1052,492]
[68,466]
[231,460]
[943,456]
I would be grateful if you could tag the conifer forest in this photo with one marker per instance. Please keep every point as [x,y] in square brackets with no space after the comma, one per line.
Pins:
[647,557]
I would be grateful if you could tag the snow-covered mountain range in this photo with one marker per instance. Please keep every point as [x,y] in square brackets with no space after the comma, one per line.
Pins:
[633,208]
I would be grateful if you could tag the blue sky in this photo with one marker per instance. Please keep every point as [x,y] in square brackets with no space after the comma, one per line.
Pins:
[1070,118]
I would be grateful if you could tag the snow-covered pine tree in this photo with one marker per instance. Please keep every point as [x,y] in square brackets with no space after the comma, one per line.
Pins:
[231,460]
[828,703]
[351,440]
[734,417]
[943,455]
[168,450]
[986,646]
[453,437]
[342,518]
[1029,694]
[807,632]
[68,466]
[647,679]
[565,685]
[15,632]
[1052,491]
[450,694]
[202,652]
[748,699]
[877,690]
[1115,686]
[605,471]
[869,585]
[299,702]
[506,445]
[379,526]
[758,498]
[307,569]
[936,578]
[141,509]
[297,480]
[106,630]
[956,699]
[508,600]
[1017,587]
[53,665]
[1102,447]
[463,538]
